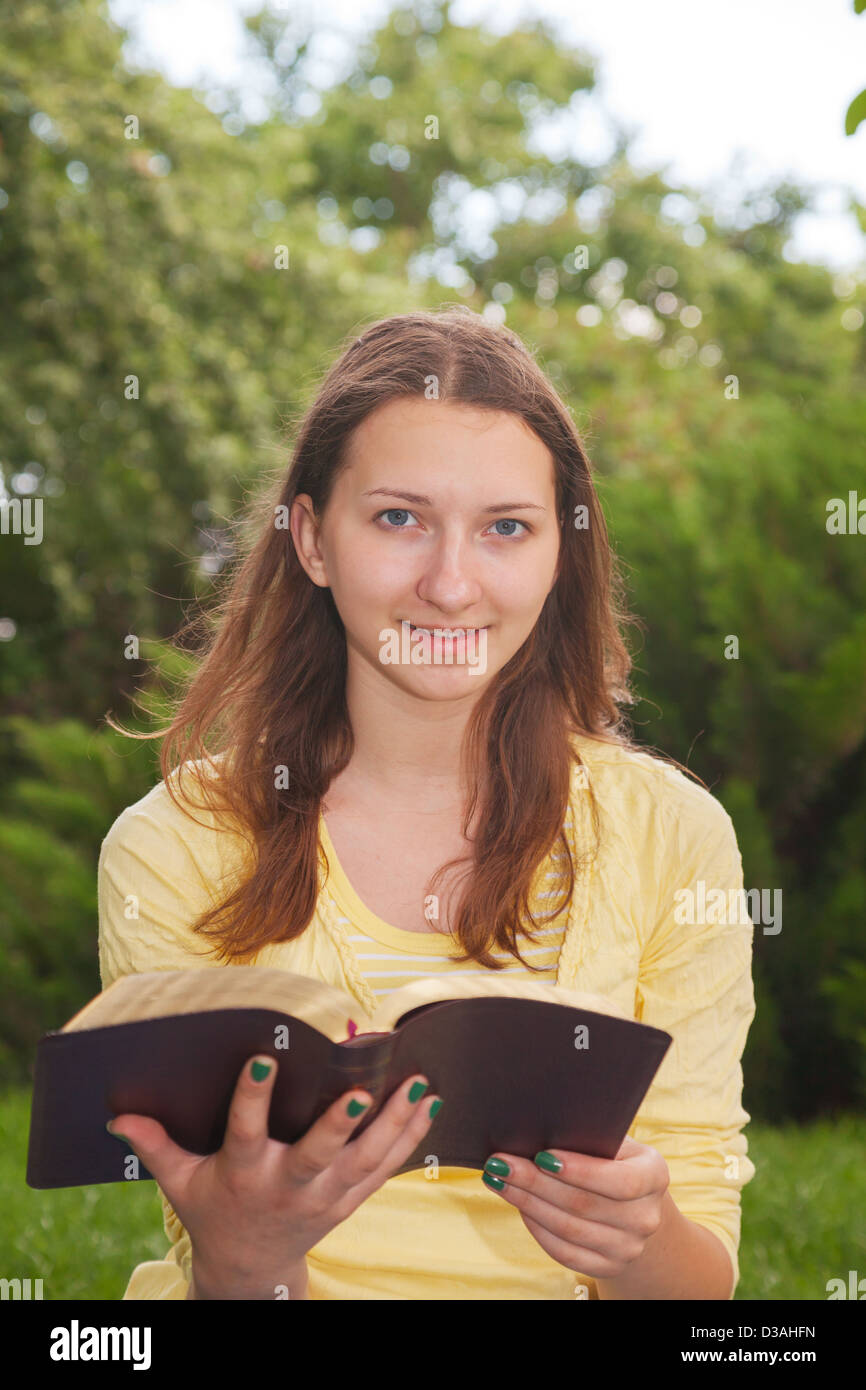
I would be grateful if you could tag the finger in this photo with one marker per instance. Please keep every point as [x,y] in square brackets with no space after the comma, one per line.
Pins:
[580,1258]
[629,1148]
[246,1134]
[393,1135]
[560,1218]
[619,1179]
[317,1149]
[525,1176]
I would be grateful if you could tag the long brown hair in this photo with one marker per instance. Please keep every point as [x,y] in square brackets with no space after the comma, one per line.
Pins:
[269,690]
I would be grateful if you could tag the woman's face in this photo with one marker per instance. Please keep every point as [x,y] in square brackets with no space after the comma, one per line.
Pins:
[444,517]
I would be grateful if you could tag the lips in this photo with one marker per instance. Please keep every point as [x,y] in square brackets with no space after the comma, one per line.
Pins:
[438,631]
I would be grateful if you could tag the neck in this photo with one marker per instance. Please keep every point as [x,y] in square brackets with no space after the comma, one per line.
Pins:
[406,749]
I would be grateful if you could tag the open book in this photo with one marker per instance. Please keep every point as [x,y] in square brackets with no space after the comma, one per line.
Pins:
[521,1065]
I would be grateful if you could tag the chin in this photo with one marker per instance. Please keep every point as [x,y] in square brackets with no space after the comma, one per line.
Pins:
[441,682]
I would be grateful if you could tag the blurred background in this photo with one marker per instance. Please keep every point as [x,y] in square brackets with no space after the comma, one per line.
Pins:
[668,202]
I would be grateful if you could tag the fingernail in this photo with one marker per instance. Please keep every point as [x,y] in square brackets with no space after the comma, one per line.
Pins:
[259,1070]
[356,1106]
[497,1166]
[492,1182]
[435,1108]
[115,1134]
[417,1090]
[548,1162]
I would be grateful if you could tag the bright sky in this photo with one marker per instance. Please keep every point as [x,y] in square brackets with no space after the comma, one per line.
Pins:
[720,96]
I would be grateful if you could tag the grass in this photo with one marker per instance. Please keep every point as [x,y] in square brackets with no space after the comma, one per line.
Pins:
[804,1215]
[804,1212]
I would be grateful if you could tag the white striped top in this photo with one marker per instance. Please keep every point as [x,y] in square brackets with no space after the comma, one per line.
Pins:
[390,957]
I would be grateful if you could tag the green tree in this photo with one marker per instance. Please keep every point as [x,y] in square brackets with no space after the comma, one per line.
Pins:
[718,384]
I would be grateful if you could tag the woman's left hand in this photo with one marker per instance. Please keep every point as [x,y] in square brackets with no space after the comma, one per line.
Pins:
[594,1215]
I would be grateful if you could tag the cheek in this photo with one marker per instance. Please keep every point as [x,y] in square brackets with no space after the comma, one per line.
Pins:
[365,571]
[521,589]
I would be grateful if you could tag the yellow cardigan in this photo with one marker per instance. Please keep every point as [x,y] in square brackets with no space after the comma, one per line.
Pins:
[627,937]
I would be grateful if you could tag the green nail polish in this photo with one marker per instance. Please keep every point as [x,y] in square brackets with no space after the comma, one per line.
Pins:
[435,1108]
[356,1106]
[260,1070]
[548,1162]
[492,1182]
[417,1090]
[497,1166]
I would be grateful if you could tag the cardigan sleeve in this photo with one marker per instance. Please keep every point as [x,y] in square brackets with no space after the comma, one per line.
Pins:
[695,982]
[151,888]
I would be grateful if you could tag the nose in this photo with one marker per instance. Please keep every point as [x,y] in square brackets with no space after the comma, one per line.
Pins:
[450,575]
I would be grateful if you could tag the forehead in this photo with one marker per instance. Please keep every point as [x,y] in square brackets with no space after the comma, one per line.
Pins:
[420,434]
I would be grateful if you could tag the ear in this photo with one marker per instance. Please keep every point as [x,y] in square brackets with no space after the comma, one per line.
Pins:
[305,535]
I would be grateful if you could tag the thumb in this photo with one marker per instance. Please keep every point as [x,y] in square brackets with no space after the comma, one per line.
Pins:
[150,1142]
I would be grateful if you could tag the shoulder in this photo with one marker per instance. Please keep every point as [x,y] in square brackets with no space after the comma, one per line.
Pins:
[647,800]
[174,828]
[159,870]
[660,832]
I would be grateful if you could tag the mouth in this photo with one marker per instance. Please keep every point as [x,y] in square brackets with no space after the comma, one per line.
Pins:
[441,632]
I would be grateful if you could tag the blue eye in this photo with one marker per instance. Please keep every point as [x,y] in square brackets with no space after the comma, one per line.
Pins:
[398,516]
[509,521]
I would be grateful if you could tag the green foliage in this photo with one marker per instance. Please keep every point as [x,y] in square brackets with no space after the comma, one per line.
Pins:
[856,112]
[52,821]
[720,392]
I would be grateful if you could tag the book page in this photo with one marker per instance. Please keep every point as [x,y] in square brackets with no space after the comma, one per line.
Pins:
[159,993]
[429,991]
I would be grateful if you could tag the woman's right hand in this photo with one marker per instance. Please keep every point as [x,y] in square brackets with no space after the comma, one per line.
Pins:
[255,1207]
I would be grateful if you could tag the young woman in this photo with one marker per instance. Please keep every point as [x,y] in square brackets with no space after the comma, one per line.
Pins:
[336,808]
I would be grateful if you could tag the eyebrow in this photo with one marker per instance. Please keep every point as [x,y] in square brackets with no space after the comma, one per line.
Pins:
[420,501]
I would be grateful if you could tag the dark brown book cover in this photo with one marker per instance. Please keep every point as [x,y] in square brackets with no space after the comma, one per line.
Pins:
[509,1071]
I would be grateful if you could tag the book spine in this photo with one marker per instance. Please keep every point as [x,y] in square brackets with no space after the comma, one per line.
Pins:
[362,1061]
